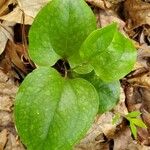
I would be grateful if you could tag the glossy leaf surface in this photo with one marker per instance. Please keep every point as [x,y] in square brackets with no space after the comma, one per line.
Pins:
[60,28]
[110,53]
[52,112]
[108,92]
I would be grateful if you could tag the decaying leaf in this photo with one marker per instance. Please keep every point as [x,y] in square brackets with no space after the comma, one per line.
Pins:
[3,139]
[31,7]
[6,32]
[109,16]
[4,5]
[100,3]
[17,16]
[137,13]
[13,143]
[5,103]
[143,80]
[124,141]
[15,53]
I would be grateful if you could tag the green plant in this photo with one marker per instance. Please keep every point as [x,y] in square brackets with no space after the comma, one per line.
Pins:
[134,121]
[78,74]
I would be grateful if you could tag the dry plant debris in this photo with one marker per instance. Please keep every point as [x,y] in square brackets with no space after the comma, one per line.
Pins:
[133,17]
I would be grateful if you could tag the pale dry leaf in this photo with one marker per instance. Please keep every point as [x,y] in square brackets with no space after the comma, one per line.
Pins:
[143,56]
[143,80]
[3,139]
[103,4]
[124,141]
[109,16]
[12,49]
[32,7]
[17,16]
[6,32]
[121,107]
[5,118]
[137,13]
[13,143]
[4,6]
[5,103]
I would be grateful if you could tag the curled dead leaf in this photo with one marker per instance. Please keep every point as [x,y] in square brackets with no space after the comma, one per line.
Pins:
[17,16]
[137,13]
[6,32]
[31,7]
[4,5]
[143,80]
[100,3]
[3,139]
[13,143]
[5,103]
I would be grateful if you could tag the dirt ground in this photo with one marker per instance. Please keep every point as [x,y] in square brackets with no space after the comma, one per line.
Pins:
[133,18]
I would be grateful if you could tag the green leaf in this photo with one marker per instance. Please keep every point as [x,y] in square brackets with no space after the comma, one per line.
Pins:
[110,53]
[108,92]
[133,130]
[76,65]
[52,112]
[138,122]
[133,114]
[61,26]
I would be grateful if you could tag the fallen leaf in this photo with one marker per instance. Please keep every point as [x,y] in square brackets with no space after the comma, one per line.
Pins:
[137,13]
[100,3]
[31,7]
[13,143]
[5,103]
[109,16]
[142,81]
[3,139]
[17,16]
[5,118]
[4,5]
[124,141]
[13,51]
[6,33]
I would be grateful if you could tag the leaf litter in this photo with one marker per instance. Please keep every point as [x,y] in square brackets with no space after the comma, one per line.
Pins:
[133,17]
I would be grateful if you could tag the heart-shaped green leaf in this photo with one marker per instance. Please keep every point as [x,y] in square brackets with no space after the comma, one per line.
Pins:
[52,113]
[110,53]
[61,26]
[108,92]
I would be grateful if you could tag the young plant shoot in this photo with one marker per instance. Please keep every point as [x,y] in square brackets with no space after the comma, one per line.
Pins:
[78,74]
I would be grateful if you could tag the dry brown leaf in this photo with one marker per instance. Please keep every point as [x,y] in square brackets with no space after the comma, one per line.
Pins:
[107,17]
[4,5]
[5,118]
[145,93]
[5,103]
[13,51]
[121,107]
[13,143]
[124,141]
[143,80]
[3,139]
[143,58]
[6,32]
[31,7]
[100,3]
[17,16]
[7,92]
[137,13]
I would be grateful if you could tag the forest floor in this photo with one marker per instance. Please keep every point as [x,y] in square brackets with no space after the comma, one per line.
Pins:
[133,18]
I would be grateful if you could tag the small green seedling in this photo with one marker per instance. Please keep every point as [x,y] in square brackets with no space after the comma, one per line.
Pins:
[134,120]
[78,74]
